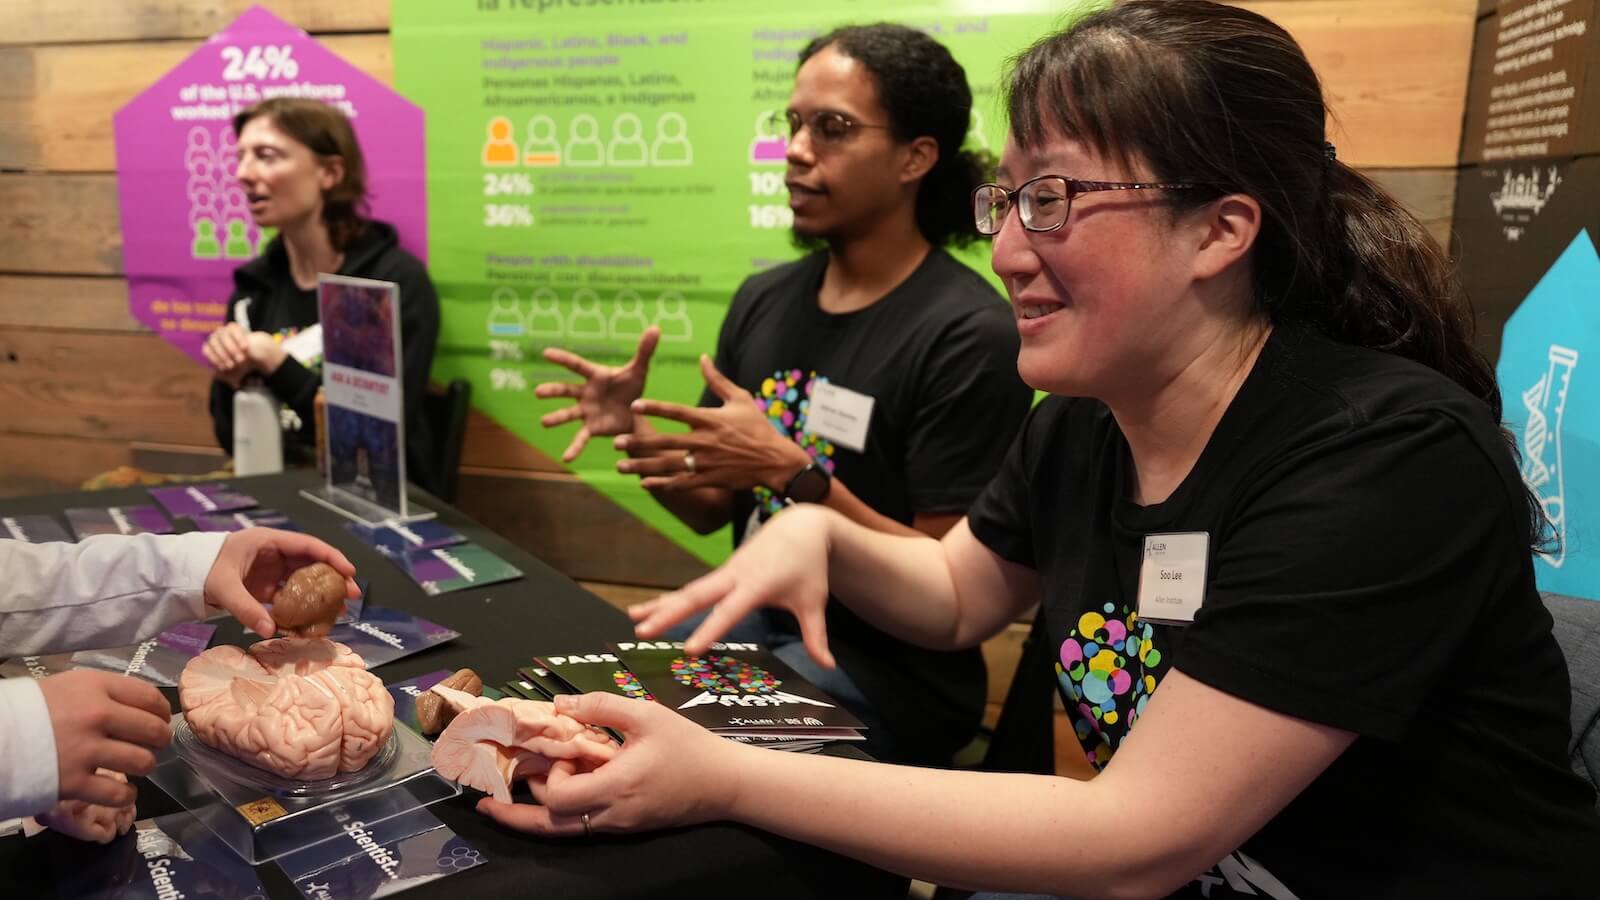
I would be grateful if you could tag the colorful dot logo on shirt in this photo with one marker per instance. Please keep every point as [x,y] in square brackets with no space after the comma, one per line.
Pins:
[785,397]
[722,675]
[629,685]
[1109,666]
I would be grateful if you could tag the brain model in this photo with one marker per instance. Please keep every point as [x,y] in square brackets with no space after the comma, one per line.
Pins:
[309,601]
[304,709]
[492,743]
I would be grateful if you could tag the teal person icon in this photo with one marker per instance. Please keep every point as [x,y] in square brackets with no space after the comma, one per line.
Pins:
[205,244]
[238,245]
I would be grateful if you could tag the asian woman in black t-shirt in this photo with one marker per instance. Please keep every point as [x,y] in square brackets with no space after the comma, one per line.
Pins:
[1278,538]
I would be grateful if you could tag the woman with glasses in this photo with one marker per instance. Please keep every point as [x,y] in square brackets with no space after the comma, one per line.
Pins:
[1277,536]
[873,376]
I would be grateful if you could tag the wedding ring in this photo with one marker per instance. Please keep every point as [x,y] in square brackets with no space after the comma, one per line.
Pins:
[688,463]
[587,831]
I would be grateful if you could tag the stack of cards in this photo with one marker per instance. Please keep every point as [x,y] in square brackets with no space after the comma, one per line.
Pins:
[198,499]
[436,557]
[159,660]
[33,529]
[739,690]
[384,635]
[239,521]
[90,521]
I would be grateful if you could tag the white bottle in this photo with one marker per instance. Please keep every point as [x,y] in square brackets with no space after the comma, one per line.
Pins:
[257,433]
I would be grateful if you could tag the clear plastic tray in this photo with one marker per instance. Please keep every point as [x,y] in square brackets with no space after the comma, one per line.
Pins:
[262,816]
[212,761]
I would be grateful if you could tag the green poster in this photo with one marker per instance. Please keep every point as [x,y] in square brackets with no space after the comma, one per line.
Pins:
[598,166]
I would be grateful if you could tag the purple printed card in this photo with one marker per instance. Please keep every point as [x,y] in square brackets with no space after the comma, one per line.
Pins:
[33,529]
[191,499]
[398,540]
[90,521]
[238,521]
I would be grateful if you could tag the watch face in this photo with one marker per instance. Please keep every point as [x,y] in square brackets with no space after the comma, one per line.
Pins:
[811,485]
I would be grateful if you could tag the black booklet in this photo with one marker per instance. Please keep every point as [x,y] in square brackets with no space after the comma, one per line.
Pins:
[603,671]
[737,689]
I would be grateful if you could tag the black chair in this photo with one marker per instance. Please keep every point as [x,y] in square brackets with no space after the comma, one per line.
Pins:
[1577,630]
[446,409]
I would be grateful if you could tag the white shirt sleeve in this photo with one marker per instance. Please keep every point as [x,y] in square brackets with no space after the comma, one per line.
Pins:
[106,591]
[29,782]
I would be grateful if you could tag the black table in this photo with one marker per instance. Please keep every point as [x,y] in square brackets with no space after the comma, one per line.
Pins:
[501,627]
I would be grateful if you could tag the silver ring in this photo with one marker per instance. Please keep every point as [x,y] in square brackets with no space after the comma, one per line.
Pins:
[688,463]
[587,830]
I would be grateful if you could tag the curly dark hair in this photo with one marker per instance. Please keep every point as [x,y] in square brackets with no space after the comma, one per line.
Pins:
[925,93]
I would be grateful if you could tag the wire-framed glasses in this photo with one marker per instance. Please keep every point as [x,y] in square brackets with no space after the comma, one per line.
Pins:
[827,126]
[1043,203]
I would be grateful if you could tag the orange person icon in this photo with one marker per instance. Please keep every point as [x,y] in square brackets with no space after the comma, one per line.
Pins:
[500,149]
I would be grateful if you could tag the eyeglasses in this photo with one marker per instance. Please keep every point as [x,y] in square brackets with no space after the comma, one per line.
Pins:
[1043,203]
[827,126]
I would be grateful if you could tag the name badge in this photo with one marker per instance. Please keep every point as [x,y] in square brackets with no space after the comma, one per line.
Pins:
[1172,576]
[840,415]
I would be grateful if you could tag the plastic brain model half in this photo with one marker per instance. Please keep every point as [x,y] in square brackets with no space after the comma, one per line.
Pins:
[305,709]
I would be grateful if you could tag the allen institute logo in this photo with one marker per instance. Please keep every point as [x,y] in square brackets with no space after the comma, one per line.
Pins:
[1522,196]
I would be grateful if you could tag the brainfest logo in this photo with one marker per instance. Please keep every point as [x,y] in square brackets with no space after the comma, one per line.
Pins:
[1522,196]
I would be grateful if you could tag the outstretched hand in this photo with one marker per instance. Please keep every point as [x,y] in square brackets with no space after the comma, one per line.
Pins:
[603,399]
[785,566]
[733,446]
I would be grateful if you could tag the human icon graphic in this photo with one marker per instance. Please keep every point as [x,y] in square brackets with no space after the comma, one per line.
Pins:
[541,148]
[198,149]
[238,242]
[544,318]
[770,146]
[627,316]
[205,244]
[672,314]
[505,314]
[583,142]
[500,149]
[672,147]
[585,320]
[627,146]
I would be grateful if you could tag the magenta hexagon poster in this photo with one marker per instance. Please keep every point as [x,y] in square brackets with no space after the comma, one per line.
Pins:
[186,224]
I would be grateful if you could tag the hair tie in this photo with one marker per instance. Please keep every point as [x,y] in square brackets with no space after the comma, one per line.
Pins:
[1330,153]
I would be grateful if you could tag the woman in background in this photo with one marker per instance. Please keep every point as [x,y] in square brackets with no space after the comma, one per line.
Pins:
[303,174]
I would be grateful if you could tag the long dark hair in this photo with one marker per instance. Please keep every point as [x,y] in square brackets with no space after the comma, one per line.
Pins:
[326,132]
[925,93]
[1215,94]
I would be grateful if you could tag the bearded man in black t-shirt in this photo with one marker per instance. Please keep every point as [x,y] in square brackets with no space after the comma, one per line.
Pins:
[875,376]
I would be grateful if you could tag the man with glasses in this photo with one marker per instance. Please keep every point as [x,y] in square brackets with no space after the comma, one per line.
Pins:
[876,375]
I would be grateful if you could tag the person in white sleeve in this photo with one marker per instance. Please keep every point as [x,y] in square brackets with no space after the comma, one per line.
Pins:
[60,735]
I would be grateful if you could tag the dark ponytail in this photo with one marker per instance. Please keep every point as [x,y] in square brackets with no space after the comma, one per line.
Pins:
[925,93]
[1203,92]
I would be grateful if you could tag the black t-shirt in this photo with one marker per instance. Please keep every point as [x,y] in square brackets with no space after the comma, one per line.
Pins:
[938,356]
[278,306]
[1368,569]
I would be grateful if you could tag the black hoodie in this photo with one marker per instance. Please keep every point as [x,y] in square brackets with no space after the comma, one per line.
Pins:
[278,305]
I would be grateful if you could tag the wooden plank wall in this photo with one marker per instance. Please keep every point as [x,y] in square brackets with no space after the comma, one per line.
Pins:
[1396,71]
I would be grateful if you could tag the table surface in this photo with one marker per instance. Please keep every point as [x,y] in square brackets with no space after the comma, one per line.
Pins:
[502,627]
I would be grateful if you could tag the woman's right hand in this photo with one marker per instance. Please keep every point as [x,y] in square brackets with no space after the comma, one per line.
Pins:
[604,398]
[785,566]
[228,351]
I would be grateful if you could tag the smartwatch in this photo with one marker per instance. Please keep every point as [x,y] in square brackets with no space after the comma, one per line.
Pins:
[809,485]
